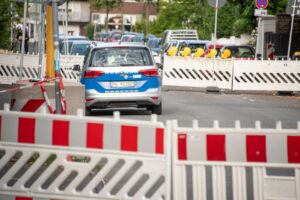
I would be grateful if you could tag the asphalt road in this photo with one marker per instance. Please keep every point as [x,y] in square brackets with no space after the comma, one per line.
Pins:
[186,106]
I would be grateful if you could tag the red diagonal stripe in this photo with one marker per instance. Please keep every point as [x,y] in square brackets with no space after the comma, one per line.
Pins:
[32,105]
[256,148]
[60,133]
[129,138]
[293,145]
[182,155]
[159,141]
[215,145]
[94,138]
[26,130]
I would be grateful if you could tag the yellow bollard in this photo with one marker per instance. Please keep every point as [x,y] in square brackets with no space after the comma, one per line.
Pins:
[49,45]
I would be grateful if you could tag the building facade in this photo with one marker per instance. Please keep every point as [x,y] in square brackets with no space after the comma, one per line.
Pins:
[132,13]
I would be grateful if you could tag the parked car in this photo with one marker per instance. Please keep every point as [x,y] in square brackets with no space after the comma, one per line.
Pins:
[120,74]
[79,47]
[100,36]
[210,46]
[66,41]
[126,36]
[153,44]
[237,51]
[193,45]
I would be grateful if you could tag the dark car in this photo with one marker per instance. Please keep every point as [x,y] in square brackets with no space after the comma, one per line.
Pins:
[237,51]
[66,41]
[79,47]
[193,45]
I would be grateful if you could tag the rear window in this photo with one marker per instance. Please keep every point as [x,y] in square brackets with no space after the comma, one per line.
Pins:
[120,56]
[79,49]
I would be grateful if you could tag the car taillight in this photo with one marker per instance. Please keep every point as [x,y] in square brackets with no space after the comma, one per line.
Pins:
[149,72]
[92,74]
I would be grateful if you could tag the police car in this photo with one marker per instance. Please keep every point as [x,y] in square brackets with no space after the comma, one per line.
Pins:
[120,75]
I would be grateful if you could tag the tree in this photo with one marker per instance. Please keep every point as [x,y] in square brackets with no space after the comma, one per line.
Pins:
[234,18]
[7,12]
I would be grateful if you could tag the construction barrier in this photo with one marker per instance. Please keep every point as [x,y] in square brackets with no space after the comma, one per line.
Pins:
[266,75]
[235,163]
[235,75]
[197,72]
[76,157]
[10,62]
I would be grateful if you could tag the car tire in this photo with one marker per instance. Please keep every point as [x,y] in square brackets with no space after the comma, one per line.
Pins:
[156,109]
[88,112]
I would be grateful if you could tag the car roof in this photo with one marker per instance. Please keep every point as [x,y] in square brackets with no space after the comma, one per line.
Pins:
[114,44]
[232,45]
[82,42]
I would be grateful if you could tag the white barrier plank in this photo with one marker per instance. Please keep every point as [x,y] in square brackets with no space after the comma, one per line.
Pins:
[197,72]
[266,75]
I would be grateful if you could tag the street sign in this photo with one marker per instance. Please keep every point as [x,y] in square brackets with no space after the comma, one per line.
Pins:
[260,12]
[261,4]
[213,3]
[116,20]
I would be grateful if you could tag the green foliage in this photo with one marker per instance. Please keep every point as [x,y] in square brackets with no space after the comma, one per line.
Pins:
[89,29]
[234,18]
[5,21]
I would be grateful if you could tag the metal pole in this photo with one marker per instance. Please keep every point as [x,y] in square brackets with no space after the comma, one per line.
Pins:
[41,40]
[215,40]
[56,56]
[291,30]
[23,39]
[11,24]
[258,35]
[263,38]
[67,21]
[35,29]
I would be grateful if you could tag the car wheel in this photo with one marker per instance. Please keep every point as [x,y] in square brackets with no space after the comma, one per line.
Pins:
[156,109]
[88,112]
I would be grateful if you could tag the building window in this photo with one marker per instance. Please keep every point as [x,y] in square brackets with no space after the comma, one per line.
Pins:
[95,17]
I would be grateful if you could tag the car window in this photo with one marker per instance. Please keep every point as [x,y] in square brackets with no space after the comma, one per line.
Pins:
[79,49]
[120,56]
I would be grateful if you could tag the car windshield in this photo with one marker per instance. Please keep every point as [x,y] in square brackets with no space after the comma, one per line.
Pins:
[241,52]
[79,49]
[121,56]
[194,47]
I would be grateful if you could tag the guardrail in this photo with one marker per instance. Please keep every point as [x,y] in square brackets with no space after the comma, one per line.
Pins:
[77,157]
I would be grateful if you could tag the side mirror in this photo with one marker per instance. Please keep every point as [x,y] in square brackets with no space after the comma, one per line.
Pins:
[76,68]
[159,65]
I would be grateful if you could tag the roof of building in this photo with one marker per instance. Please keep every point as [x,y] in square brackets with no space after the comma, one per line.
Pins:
[130,8]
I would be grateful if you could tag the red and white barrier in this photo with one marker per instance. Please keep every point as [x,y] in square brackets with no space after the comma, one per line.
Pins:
[7,197]
[91,158]
[81,132]
[270,51]
[235,163]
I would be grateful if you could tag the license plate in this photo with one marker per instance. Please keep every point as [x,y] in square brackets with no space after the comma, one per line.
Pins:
[122,84]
